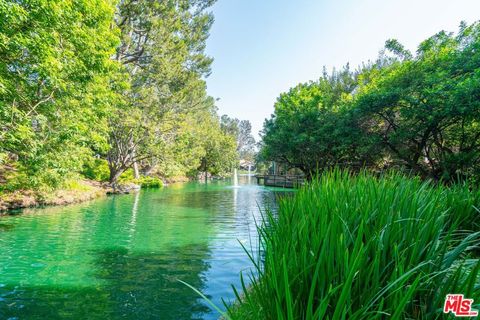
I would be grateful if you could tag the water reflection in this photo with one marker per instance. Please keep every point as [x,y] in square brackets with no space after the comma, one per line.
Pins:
[146,286]
[120,257]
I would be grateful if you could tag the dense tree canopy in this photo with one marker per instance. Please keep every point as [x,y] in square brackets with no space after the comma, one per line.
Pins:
[426,109]
[311,128]
[54,83]
[121,81]
[162,53]
[419,112]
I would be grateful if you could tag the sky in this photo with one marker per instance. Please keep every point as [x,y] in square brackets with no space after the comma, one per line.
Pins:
[262,48]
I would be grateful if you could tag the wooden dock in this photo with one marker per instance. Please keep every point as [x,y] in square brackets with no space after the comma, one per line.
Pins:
[283,181]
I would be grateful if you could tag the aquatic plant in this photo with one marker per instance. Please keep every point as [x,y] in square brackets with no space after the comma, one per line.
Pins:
[364,247]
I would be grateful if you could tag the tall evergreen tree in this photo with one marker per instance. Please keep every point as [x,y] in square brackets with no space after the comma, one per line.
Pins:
[162,50]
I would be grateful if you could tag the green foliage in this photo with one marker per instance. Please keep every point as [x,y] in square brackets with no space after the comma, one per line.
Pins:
[54,84]
[14,180]
[426,109]
[311,128]
[219,147]
[361,247]
[150,182]
[19,178]
[96,169]
[144,181]
[162,52]
[127,176]
[74,184]
[417,112]
[242,131]
[117,79]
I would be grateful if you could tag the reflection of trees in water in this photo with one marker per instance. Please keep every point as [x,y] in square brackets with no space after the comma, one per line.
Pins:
[219,197]
[207,199]
[146,287]
[127,251]
[44,302]
[6,226]
[136,287]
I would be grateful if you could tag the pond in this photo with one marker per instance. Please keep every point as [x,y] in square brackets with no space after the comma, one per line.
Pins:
[120,257]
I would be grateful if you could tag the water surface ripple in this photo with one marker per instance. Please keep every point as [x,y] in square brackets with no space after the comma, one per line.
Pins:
[120,257]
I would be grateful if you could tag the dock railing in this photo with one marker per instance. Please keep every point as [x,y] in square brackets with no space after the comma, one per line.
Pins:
[284,181]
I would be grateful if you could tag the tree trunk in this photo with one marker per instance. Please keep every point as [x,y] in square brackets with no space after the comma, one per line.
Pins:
[204,166]
[136,172]
[114,175]
[146,171]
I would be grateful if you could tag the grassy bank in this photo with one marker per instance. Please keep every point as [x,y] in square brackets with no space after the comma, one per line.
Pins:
[361,247]
[70,192]
[18,190]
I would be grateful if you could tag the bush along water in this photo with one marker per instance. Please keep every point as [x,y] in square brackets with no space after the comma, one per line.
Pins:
[364,247]
[149,182]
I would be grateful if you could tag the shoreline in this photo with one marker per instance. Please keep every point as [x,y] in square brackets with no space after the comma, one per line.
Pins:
[86,190]
[23,199]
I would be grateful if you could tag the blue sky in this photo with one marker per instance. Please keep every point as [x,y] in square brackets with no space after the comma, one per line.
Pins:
[263,47]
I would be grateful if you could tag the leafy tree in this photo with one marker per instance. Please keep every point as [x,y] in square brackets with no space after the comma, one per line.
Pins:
[311,128]
[242,131]
[123,81]
[245,141]
[425,109]
[419,112]
[163,53]
[54,83]
[220,152]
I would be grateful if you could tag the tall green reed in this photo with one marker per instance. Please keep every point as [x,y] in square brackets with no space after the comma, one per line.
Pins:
[363,247]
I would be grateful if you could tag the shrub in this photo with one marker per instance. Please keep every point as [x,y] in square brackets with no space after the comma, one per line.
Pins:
[45,180]
[76,184]
[150,182]
[362,247]
[127,176]
[96,169]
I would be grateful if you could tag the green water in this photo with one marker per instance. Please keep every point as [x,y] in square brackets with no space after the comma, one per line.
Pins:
[121,257]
